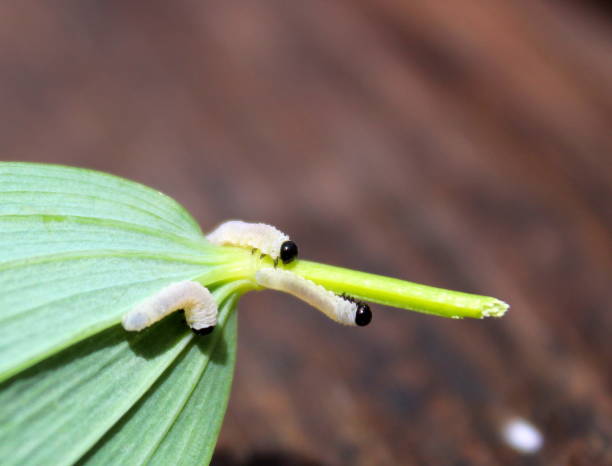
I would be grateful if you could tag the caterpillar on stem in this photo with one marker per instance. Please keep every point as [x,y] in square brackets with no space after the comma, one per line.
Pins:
[340,308]
[266,238]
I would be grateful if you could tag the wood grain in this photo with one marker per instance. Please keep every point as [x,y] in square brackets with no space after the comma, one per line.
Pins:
[464,144]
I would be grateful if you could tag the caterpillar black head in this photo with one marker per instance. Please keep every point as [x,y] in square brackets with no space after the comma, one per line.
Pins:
[288,251]
[363,316]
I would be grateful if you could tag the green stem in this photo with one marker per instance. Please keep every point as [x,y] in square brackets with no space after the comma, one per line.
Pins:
[240,264]
[400,293]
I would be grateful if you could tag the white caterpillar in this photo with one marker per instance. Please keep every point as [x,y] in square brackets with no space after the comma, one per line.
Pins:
[199,305]
[268,239]
[343,309]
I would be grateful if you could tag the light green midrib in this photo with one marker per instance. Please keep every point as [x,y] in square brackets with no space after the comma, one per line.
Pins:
[118,224]
[222,274]
[200,259]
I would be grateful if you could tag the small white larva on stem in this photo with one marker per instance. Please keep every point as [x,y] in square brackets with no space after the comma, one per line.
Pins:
[268,239]
[199,305]
[342,309]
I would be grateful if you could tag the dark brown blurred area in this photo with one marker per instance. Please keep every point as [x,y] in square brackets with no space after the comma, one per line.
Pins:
[460,144]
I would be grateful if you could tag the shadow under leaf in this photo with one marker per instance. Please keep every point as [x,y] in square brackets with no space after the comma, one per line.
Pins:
[147,344]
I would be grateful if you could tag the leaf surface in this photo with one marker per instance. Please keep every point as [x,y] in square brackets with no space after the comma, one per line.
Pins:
[78,249]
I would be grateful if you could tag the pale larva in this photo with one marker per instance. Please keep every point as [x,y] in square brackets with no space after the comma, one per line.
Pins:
[343,309]
[199,305]
[268,239]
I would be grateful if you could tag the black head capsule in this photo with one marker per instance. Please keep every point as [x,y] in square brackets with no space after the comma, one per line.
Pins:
[288,251]
[363,316]
[203,331]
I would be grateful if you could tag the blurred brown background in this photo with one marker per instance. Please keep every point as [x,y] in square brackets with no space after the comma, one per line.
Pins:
[460,144]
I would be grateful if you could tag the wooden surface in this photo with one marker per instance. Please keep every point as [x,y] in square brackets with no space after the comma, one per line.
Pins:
[461,144]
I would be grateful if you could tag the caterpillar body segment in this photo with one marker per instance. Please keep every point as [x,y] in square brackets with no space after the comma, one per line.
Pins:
[197,301]
[266,238]
[342,309]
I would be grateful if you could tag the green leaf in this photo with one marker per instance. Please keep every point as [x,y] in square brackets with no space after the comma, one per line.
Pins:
[77,250]
[181,414]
